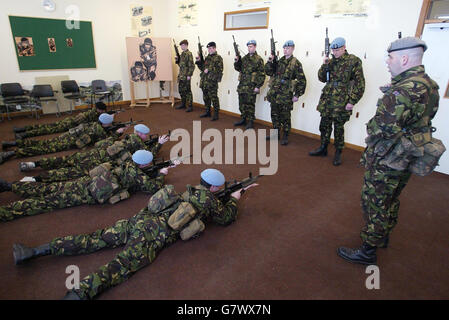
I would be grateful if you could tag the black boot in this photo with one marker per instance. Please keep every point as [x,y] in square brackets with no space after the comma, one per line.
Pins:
[206,114]
[27,166]
[5,185]
[215,117]
[17,130]
[250,125]
[7,144]
[189,109]
[241,122]
[366,254]
[320,152]
[6,155]
[22,253]
[181,106]
[284,140]
[337,157]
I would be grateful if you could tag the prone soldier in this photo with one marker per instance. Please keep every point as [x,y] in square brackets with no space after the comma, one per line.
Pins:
[167,218]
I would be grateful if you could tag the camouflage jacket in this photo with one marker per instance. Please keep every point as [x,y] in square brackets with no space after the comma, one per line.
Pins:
[346,84]
[214,64]
[252,73]
[87,134]
[131,178]
[400,111]
[90,115]
[186,65]
[287,81]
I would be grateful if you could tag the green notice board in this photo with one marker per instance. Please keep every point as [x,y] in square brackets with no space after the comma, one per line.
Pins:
[69,49]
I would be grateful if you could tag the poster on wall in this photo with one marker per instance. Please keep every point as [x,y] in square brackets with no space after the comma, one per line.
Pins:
[187,13]
[341,8]
[149,59]
[141,20]
[25,47]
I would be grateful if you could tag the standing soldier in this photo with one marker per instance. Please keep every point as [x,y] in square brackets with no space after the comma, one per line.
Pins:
[79,137]
[144,235]
[398,142]
[344,88]
[63,125]
[211,74]
[287,84]
[103,184]
[148,54]
[251,78]
[186,68]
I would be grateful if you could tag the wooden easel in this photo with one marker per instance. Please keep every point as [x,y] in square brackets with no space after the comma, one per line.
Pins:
[146,102]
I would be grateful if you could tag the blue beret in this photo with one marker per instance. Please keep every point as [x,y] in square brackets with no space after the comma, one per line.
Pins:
[213,177]
[289,43]
[252,42]
[142,129]
[142,157]
[338,43]
[105,118]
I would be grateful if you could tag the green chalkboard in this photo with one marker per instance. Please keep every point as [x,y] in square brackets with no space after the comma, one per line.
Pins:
[80,54]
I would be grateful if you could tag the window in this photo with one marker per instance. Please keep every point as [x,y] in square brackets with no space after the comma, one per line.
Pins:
[432,11]
[246,19]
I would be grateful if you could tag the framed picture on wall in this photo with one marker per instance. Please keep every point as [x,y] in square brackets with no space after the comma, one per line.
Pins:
[25,47]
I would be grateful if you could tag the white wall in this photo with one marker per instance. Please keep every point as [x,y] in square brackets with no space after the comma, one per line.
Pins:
[111,23]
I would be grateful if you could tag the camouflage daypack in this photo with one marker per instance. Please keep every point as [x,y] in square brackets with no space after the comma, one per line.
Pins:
[104,184]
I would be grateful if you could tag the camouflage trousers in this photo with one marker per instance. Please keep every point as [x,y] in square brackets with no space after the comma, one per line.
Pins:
[281,116]
[49,128]
[46,198]
[29,148]
[247,106]
[210,97]
[143,236]
[185,92]
[380,204]
[338,121]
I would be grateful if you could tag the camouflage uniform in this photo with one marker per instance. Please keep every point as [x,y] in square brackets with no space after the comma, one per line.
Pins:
[79,137]
[80,163]
[252,75]
[143,235]
[186,68]
[346,85]
[209,81]
[46,197]
[398,111]
[60,126]
[285,82]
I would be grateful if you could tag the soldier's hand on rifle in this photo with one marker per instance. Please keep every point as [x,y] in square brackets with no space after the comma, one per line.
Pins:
[175,164]
[236,58]
[164,171]
[271,58]
[197,58]
[121,130]
[188,78]
[163,139]
[238,193]
[349,106]
[326,60]
[256,90]
[295,99]
[206,70]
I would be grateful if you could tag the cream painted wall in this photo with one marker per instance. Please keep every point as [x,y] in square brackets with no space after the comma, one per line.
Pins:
[294,20]
[111,23]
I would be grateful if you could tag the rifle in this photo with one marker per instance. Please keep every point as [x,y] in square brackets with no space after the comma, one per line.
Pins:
[153,170]
[117,125]
[225,194]
[178,56]
[154,138]
[200,51]
[236,49]
[115,111]
[273,52]
[326,53]
[399,35]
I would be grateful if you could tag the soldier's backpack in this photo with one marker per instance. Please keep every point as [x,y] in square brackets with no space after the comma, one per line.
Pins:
[104,185]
